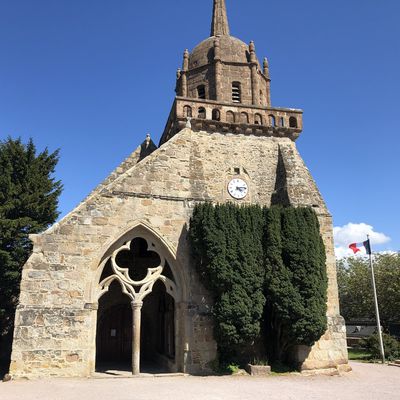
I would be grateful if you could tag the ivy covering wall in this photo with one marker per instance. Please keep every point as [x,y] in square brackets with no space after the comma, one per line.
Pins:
[266,271]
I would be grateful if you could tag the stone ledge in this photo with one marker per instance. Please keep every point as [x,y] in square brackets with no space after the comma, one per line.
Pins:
[334,371]
[258,370]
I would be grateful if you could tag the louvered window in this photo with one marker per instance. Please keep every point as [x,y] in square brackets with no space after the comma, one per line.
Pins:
[236,94]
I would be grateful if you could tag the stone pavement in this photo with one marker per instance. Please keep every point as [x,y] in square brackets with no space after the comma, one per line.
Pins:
[366,382]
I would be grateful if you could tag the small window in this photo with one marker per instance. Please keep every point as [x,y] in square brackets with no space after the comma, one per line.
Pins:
[201,92]
[187,111]
[293,122]
[230,117]
[244,118]
[237,171]
[202,113]
[261,98]
[258,119]
[282,121]
[216,115]
[272,121]
[236,93]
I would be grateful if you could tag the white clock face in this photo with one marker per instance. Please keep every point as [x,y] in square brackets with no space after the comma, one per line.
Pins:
[238,188]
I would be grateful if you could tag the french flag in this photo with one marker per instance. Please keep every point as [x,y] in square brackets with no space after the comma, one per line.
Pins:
[356,247]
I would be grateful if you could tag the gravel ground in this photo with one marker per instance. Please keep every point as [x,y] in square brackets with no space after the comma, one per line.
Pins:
[367,381]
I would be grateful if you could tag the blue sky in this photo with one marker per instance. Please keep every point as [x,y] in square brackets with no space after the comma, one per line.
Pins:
[92,77]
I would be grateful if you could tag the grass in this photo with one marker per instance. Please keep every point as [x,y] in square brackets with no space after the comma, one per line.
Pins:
[360,355]
[233,368]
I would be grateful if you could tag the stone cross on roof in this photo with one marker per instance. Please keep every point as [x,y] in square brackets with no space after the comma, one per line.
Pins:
[220,24]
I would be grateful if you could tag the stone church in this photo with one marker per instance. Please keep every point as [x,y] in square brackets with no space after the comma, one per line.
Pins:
[113,282]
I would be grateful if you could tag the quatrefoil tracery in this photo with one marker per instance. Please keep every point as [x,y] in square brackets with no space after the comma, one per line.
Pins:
[137,290]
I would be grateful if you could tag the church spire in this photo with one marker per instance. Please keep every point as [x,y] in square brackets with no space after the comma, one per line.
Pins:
[220,24]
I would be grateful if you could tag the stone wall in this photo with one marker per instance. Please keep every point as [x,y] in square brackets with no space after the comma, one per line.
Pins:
[154,198]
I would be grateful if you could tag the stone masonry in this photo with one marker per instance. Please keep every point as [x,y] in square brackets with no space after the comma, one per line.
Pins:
[151,196]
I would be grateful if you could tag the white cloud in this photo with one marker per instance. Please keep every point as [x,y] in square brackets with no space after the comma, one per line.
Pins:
[355,233]
[344,251]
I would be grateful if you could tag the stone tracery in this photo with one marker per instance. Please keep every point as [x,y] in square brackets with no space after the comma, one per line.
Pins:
[136,290]
[129,285]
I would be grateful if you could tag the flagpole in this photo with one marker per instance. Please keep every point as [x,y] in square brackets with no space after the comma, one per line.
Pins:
[378,320]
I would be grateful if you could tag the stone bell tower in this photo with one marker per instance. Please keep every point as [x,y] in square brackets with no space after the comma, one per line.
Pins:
[121,259]
[223,88]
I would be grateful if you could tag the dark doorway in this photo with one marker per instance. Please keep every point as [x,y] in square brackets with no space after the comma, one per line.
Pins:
[114,330]
[114,318]
[115,334]
[158,331]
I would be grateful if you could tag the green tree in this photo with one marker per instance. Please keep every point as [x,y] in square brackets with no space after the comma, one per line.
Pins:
[261,262]
[295,281]
[28,204]
[226,244]
[355,287]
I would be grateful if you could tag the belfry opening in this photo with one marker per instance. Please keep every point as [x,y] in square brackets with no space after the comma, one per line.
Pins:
[136,314]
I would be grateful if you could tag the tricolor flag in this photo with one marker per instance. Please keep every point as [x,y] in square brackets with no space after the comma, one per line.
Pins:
[356,247]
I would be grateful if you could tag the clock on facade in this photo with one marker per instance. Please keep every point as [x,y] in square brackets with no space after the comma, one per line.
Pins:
[238,188]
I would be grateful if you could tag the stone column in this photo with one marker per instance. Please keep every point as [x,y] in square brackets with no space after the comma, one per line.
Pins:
[181,348]
[269,93]
[268,84]
[184,84]
[254,75]
[136,319]
[254,85]
[185,67]
[218,69]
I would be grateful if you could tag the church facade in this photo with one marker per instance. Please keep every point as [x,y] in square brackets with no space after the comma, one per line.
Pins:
[113,282]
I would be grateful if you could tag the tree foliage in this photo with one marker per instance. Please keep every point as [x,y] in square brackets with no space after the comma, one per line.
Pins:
[355,288]
[295,281]
[390,344]
[226,243]
[28,204]
[259,262]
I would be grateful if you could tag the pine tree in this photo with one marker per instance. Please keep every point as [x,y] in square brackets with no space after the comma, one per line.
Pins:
[28,204]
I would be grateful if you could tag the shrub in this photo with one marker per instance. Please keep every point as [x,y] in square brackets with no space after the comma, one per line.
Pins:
[390,344]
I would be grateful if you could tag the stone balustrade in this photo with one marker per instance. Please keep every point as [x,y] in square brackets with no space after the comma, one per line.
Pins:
[213,116]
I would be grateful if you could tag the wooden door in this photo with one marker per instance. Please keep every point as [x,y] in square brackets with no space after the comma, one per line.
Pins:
[114,337]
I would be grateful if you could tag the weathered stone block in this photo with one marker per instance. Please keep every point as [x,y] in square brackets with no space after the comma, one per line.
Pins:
[258,370]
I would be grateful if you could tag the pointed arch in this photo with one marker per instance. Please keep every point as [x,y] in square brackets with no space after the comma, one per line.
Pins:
[155,243]
[168,274]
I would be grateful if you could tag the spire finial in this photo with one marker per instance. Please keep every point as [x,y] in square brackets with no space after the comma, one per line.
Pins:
[220,24]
